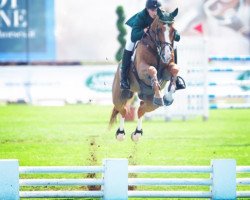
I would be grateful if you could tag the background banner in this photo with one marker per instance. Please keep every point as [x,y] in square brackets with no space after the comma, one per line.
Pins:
[27,30]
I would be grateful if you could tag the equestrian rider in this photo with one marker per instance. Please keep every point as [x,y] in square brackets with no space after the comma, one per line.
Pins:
[137,26]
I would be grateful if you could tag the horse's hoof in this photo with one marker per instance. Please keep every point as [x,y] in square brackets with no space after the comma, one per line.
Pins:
[167,102]
[158,101]
[135,136]
[120,135]
[126,94]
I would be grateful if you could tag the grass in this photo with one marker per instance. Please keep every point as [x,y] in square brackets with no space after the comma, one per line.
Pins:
[79,135]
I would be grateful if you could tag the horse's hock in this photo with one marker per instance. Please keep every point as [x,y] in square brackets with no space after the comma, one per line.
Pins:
[115,181]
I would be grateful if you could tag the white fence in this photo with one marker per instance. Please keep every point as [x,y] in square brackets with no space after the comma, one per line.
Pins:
[229,82]
[114,183]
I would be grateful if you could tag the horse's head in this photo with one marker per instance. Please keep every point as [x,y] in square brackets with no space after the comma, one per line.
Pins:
[168,20]
[162,26]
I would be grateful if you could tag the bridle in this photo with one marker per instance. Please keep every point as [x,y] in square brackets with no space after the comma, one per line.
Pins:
[158,45]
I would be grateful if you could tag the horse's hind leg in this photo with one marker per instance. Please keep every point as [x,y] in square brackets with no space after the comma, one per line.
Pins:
[120,105]
[120,133]
[145,106]
[123,110]
[135,136]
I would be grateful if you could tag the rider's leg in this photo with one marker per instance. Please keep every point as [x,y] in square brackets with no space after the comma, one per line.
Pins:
[174,69]
[126,61]
[180,83]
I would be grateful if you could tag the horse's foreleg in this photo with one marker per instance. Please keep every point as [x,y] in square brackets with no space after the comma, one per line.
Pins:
[139,124]
[158,100]
[168,98]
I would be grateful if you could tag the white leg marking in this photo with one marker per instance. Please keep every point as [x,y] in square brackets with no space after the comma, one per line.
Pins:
[122,120]
[139,124]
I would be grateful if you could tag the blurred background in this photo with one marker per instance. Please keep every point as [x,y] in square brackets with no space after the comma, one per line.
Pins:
[63,31]
[55,52]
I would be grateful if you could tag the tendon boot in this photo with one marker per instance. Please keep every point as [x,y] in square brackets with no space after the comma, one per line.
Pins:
[126,61]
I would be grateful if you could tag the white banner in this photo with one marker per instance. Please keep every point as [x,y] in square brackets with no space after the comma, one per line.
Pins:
[57,85]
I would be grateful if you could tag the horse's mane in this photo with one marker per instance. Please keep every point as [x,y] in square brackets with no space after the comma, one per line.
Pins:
[154,23]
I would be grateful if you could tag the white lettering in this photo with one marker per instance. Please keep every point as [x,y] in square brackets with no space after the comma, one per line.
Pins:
[3,3]
[19,18]
[18,34]
[12,17]
[5,18]
[13,3]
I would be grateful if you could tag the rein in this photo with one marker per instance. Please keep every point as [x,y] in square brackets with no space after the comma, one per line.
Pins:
[151,40]
[158,47]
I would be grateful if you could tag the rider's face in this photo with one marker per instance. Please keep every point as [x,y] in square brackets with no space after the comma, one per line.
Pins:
[152,12]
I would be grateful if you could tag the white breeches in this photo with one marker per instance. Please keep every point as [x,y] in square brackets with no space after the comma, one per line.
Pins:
[129,44]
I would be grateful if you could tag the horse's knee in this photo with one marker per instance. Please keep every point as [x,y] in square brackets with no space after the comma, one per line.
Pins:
[174,69]
[140,112]
[152,71]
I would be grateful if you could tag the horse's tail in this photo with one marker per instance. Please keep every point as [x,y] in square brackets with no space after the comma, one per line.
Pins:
[113,117]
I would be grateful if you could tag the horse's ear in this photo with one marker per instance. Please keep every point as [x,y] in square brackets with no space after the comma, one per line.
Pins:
[174,13]
[159,13]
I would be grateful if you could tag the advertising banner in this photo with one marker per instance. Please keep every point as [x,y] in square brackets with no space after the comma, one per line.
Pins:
[52,85]
[27,30]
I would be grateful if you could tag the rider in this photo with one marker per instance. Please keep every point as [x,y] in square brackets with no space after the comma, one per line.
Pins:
[137,26]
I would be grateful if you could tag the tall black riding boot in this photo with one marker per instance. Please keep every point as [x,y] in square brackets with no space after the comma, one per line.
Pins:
[126,61]
[180,83]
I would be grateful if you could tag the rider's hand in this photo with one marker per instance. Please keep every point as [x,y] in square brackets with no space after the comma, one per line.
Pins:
[146,29]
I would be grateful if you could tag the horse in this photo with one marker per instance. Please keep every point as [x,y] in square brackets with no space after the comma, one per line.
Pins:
[153,66]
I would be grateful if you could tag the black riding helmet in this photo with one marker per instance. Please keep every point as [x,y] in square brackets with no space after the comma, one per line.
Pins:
[152,4]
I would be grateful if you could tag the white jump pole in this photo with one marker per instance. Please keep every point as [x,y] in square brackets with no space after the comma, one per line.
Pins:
[9,180]
[223,179]
[115,178]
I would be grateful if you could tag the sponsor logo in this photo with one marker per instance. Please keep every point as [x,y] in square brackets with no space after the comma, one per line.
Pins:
[100,81]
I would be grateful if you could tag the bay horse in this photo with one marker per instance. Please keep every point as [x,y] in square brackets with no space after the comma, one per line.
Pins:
[153,65]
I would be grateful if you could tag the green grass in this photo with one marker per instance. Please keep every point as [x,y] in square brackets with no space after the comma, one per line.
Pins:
[79,135]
